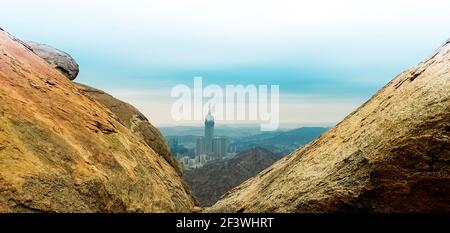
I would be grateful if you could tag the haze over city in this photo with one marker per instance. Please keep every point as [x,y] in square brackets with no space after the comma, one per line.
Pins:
[326,57]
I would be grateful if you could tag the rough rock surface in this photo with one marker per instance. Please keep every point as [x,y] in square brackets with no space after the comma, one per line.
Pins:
[134,120]
[62,151]
[214,179]
[57,58]
[391,155]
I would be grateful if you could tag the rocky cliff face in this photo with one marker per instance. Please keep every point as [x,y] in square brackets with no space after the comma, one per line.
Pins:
[391,155]
[128,115]
[134,120]
[214,179]
[63,151]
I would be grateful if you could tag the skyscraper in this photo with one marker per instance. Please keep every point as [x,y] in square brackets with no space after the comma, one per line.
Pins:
[200,149]
[220,147]
[210,147]
[209,133]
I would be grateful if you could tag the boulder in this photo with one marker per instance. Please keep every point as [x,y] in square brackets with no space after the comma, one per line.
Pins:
[58,59]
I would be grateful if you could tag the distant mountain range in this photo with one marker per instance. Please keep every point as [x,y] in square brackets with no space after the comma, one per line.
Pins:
[240,139]
[226,131]
[214,179]
[279,142]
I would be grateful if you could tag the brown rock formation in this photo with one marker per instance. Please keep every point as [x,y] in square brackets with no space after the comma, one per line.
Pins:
[134,120]
[62,151]
[214,179]
[391,155]
[129,116]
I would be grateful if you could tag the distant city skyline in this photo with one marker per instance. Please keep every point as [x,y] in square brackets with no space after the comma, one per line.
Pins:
[327,57]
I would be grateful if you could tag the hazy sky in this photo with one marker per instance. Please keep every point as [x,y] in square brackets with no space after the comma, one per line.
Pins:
[327,56]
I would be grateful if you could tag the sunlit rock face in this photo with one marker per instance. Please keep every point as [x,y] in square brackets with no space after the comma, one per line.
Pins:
[134,120]
[61,150]
[390,155]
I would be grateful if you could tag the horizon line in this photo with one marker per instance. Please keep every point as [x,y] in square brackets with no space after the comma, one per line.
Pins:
[252,125]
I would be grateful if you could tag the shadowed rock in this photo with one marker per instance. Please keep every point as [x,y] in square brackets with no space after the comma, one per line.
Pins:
[57,58]
[214,179]
[134,120]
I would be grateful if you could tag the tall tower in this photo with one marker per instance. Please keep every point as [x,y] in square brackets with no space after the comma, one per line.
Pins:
[209,133]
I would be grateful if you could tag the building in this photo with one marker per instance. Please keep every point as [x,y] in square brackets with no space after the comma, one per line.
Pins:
[173,141]
[219,147]
[202,159]
[209,134]
[185,161]
[200,147]
[209,147]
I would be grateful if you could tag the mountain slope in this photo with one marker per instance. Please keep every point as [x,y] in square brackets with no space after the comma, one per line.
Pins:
[391,155]
[128,115]
[134,120]
[62,151]
[211,181]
